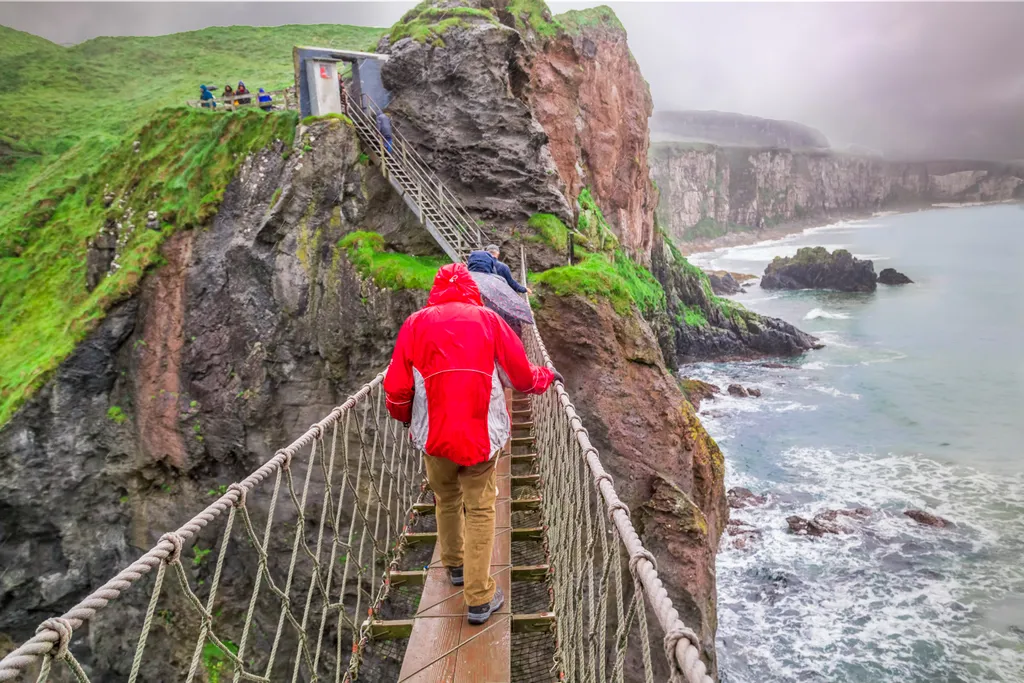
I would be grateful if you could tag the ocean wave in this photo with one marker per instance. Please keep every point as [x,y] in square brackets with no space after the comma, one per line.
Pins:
[832,391]
[814,365]
[765,252]
[815,313]
[892,601]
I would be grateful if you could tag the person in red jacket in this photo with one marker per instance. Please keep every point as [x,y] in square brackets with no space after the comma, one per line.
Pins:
[445,382]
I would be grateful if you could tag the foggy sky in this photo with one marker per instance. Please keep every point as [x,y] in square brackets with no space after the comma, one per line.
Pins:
[914,79]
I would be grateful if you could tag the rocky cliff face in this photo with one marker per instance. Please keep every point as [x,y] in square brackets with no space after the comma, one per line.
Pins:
[665,466]
[519,119]
[251,331]
[707,190]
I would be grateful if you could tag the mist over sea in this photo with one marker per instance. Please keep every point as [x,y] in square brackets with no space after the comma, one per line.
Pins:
[917,401]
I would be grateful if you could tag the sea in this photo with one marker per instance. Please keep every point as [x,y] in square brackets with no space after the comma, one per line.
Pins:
[915,402]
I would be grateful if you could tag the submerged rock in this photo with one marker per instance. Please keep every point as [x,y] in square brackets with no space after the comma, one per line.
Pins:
[826,522]
[928,519]
[891,276]
[816,268]
[739,390]
[740,498]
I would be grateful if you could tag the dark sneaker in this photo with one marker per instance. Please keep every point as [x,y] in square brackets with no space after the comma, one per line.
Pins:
[455,576]
[481,613]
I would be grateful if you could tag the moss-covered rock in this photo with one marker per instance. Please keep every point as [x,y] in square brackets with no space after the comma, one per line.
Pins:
[816,268]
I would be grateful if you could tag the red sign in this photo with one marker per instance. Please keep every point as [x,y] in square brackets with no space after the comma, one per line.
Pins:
[323,71]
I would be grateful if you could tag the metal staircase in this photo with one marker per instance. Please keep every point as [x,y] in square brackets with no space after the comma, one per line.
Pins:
[435,205]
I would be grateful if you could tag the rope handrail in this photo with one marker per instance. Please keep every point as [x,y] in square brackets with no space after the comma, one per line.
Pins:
[384,484]
[558,422]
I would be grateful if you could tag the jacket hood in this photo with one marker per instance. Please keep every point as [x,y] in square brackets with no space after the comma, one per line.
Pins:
[454,283]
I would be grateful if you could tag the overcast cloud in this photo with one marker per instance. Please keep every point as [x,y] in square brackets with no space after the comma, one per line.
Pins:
[915,79]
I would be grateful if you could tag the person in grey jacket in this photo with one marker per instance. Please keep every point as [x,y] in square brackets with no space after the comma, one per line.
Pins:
[384,126]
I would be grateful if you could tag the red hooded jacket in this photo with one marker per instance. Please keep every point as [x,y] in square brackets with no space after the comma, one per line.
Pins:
[444,374]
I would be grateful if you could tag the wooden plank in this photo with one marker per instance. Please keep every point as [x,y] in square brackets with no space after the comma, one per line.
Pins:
[526,480]
[408,578]
[391,629]
[530,572]
[523,457]
[485,651]
[528,534]
[530,623]
[519,504]
[413,538]
[430,639]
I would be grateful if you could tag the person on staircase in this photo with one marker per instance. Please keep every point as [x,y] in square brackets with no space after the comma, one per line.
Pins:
[384,126]
[486,261]
[445,383]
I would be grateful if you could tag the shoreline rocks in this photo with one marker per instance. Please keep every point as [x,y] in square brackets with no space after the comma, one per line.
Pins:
[740,498]
[826,522]
[816,268]
[697,391]
[739,390]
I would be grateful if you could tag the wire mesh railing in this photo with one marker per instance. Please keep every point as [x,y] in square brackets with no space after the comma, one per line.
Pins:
[304,546]
[602,578]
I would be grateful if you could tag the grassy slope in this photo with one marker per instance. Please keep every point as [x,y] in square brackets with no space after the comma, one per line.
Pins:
[65,135]
[185,161]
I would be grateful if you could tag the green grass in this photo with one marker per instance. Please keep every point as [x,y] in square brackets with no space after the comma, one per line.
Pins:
[592,230]
[215,660]
[427,24]
[393,271]
[549,229]
[185,161]
[535,15]
[694,317]
[309,120]
[109,85]
[614,277]
[575,21]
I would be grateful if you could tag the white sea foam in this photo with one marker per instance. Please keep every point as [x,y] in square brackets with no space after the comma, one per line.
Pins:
[892,601]
[832,391]
[828,315]
[813,365]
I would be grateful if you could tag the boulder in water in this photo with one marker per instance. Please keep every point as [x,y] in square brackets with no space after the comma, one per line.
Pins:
[737,390]
[811,527]
[891,276]
[928,519]
[816,268]
[740,498]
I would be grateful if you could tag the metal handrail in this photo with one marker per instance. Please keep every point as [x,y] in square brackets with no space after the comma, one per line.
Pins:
[423,186]
[448,202]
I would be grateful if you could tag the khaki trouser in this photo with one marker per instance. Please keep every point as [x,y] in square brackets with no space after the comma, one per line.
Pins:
[475,489]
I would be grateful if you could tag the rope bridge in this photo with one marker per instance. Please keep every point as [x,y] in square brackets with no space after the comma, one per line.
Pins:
[339,509]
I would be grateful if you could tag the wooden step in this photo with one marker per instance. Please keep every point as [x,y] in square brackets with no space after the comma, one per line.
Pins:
[417,577]
[391,629]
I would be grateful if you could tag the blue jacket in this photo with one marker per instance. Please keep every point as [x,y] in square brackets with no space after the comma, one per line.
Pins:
[483,262]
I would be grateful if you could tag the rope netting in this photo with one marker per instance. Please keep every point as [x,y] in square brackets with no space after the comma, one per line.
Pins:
[601,574]
[319,527]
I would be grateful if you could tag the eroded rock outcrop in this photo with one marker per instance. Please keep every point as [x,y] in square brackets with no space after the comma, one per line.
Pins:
[703,326]
[519,122]
[666,467]
[816,268]
[707,191]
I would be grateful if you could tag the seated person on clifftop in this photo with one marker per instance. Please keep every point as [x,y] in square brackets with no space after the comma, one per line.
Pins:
[207,98]
[486,261]
[265,100]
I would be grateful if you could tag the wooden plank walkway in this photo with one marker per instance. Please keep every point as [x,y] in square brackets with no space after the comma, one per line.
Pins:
[444,646]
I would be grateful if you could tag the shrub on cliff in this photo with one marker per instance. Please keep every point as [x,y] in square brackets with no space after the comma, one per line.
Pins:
[170,175]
